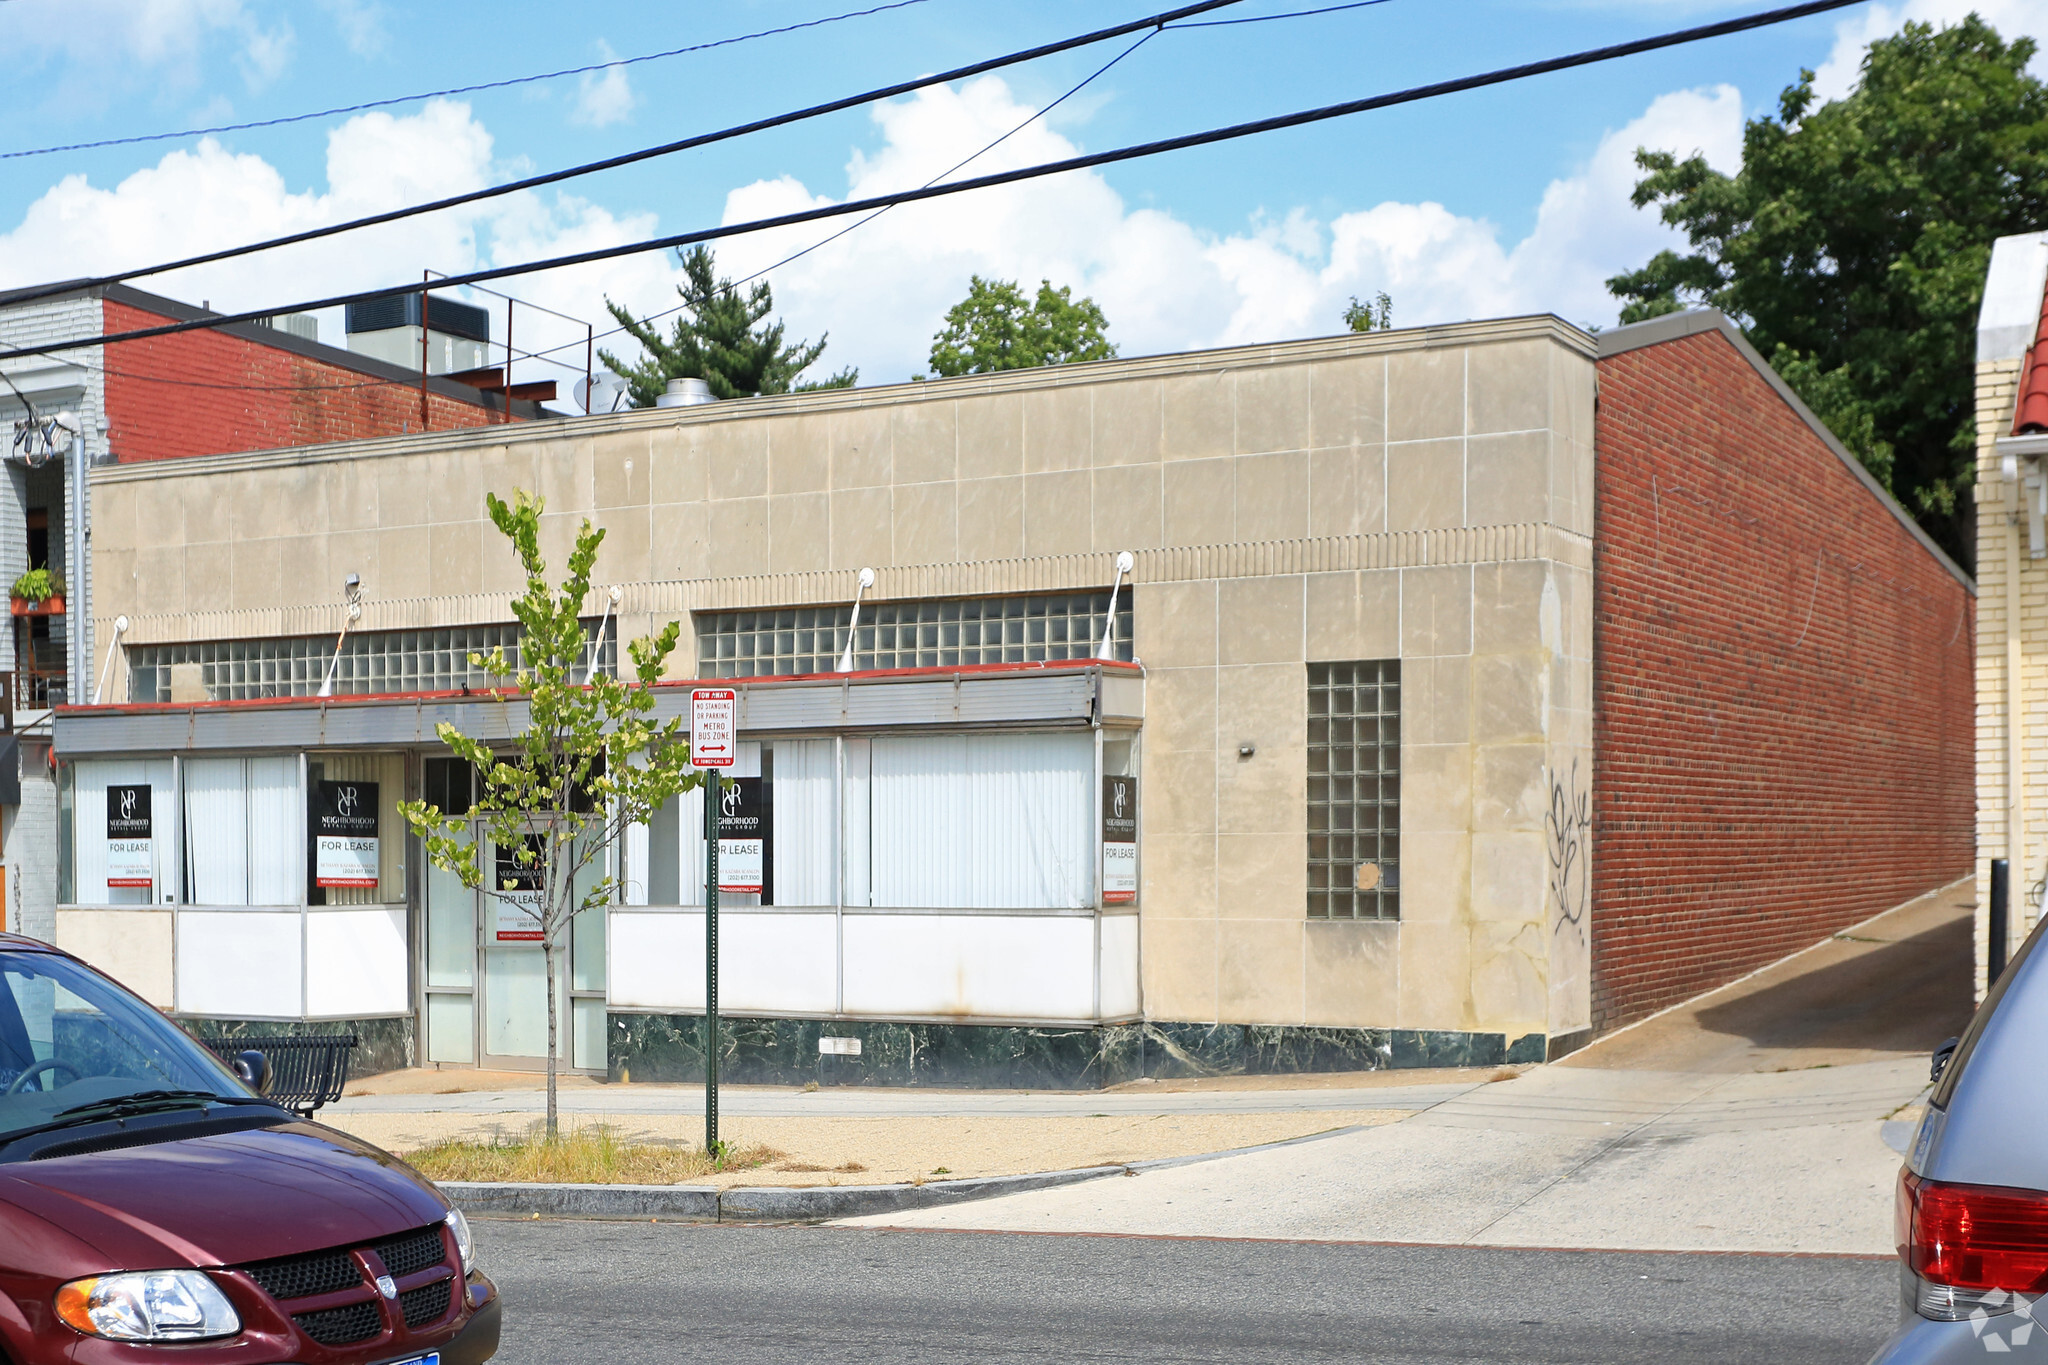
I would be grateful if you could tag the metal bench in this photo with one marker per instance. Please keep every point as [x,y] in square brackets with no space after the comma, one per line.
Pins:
[306,1071]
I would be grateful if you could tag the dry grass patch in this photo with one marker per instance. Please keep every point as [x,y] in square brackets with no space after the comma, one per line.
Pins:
[805,1167]
[593,1155]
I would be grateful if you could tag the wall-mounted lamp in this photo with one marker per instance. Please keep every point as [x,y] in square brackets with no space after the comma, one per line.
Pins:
[1246,750]
[120,629]
[1125,562]
[352,590]
[867,580]
[612,597]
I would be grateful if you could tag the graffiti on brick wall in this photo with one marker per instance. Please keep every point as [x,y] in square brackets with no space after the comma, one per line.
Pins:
[1569,825]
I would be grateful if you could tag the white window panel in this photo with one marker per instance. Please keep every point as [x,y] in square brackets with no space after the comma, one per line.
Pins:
[982,821]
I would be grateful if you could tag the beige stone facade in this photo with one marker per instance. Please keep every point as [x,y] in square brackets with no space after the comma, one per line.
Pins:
[1424,496]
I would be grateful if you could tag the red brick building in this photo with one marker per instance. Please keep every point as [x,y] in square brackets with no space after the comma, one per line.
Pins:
[1783,685]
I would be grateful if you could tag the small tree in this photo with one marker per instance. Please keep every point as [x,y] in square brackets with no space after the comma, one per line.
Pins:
[995,328]
[718,338]
[589,762]
[1374,315]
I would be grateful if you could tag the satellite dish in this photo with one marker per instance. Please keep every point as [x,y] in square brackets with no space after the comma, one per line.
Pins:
[603,392]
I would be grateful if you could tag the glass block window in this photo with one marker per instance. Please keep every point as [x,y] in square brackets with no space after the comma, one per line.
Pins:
[372,661]
[1354,790]
[928,634]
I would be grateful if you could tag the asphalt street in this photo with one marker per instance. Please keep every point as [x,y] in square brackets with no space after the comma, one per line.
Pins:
[630,1292]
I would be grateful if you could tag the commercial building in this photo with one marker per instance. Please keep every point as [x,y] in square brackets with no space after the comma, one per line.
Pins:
[1470,689]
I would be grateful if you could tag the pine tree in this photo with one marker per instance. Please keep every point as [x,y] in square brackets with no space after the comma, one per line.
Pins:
[718,338]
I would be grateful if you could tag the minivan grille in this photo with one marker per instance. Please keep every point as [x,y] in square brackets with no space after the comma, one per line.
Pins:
[413,1251]
[299,1277]
[340,1326]
[425,1304]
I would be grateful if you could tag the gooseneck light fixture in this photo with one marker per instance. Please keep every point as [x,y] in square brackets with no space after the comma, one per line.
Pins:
[352,590]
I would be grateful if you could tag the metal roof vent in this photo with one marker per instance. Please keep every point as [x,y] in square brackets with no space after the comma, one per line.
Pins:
[685,393]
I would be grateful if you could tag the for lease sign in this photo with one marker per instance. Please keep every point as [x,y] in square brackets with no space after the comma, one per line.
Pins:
[345,834]
[129,834]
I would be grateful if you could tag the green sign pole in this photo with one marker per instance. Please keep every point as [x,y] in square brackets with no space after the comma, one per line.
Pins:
[713,780]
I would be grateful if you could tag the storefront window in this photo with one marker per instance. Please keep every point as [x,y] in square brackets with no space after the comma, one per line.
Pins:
[124,831]
[356,839]
[244,830]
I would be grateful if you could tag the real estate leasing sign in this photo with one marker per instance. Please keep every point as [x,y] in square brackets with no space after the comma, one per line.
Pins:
[129,832]
[745,835]
[517,890]
[1119,840]
[345,834]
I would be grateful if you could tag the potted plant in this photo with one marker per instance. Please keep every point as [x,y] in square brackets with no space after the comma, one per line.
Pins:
[39,592]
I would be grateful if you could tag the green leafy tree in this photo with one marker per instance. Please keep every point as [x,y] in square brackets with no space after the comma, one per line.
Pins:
[1374,315]
[996,328]
[584,762]
[718,338]
[1852,246]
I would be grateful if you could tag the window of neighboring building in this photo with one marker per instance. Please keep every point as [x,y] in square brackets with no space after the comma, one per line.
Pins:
[372,661]
[1354,790]
[1041,628]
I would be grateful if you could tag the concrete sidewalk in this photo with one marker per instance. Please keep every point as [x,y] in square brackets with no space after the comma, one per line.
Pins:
[1754,1119]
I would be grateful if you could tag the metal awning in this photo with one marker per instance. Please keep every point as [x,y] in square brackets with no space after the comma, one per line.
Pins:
[1048,695]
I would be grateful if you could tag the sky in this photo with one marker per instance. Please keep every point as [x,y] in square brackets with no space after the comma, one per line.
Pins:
[1506,201]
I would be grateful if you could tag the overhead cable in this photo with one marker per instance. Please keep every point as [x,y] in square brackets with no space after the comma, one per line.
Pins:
[456,89]
[1299,119]
[1154,21]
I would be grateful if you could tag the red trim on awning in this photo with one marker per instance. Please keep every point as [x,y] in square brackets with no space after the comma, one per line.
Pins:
[2030,413]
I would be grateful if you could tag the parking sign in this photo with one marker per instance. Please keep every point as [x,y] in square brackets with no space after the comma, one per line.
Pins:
[711,720]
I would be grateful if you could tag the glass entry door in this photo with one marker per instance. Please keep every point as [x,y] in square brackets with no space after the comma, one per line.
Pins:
[486,1000]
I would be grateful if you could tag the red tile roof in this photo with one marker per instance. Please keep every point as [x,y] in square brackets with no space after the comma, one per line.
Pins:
[2031,412]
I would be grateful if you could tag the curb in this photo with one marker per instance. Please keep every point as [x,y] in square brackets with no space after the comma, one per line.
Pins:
[754,1204]
[790,1204]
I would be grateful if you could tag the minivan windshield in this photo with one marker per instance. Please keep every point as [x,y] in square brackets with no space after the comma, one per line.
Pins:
[73,1044]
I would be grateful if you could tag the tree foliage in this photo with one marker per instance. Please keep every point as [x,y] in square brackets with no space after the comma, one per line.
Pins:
[1852,246]
[718,337]
[1376,314]
[588,761]
[996,328]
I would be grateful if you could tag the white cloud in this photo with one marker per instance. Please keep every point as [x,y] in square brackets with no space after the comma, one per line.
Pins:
[207,197]
[1837,75]
[361,24]
[882,290]
[603,98]
[163,35]
[1167,286]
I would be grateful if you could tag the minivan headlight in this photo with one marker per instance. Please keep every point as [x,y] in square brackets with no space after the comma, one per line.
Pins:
[465,1245]
[149,1305]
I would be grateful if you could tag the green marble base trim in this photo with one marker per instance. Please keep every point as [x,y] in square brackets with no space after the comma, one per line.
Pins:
[669,1047]
[381,1044]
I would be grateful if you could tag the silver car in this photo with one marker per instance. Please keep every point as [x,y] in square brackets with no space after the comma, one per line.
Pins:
[1972,1214]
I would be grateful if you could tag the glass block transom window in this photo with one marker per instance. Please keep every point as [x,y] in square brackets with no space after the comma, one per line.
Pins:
[1354,790]
[930,634]
[372,661]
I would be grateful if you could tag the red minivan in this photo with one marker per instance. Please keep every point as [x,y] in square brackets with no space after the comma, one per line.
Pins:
[153,1207]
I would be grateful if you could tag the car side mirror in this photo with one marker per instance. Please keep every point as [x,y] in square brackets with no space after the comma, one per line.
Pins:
[1942,1055]
[254,1070]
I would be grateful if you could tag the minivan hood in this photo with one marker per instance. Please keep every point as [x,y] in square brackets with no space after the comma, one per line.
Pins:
[222,1199]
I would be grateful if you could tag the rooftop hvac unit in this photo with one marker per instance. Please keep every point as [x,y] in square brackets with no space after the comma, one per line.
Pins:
[304,326]
[464,320]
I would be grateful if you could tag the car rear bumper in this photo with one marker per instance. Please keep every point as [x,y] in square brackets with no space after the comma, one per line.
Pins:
[2007,1336]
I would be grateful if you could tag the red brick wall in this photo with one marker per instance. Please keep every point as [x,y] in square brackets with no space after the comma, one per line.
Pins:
[210,393]
[1783,686]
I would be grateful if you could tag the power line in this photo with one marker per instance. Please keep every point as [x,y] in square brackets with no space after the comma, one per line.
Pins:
[629,158]
[1291,14]
[1130,153]
[731,286]
[457,89]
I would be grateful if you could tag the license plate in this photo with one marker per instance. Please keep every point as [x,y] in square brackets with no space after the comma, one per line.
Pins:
[430,1358]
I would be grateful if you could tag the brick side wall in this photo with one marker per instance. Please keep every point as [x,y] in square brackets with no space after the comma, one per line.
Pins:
[1783,686]
[211,393]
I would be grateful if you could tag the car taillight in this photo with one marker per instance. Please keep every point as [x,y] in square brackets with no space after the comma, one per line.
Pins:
[1973,1236]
